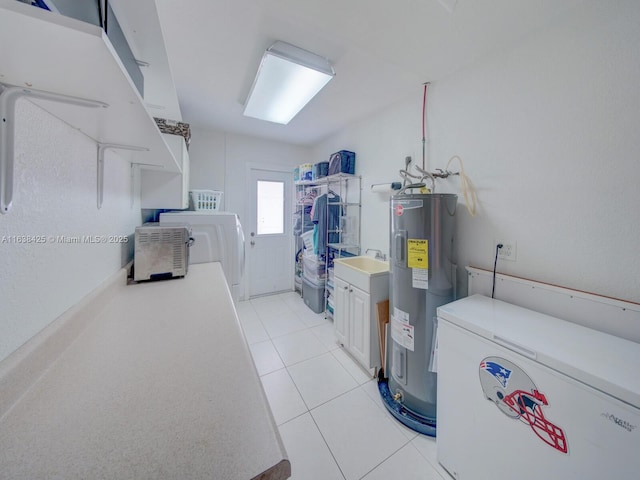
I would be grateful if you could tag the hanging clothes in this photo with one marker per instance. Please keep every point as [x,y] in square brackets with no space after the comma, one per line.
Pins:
[302,218]
[327,211]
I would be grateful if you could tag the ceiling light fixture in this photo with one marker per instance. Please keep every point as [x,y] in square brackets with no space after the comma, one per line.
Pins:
[287,79]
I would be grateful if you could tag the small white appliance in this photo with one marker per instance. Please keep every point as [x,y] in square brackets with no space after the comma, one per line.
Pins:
[218,237]
[522,395]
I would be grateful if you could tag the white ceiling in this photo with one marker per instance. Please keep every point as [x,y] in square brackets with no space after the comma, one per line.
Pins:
[382,52]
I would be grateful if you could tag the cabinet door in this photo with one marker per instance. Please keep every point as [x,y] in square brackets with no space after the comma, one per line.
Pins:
[341,311]
[359,325]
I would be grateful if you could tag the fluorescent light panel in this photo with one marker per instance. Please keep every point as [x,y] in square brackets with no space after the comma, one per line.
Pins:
[288,78]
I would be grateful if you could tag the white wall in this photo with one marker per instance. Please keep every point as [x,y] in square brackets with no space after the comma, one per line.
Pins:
[55,195]
[206,160]
[381,144]
[214,154]
[548,130]
[242,150]
[219,161]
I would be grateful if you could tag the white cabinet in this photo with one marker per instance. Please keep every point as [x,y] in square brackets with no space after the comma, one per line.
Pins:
[360,326]
[167,190]
[354,321]
[341,313]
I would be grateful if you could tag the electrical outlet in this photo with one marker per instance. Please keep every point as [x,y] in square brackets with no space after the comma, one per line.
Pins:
[508,250]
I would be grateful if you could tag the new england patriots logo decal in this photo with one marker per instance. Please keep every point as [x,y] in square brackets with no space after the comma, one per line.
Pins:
[501,373]
[511,390]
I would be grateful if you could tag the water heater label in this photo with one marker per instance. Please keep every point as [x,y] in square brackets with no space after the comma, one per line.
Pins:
[407,204]
[417,253]
[400,315]
[420,278]
[402,332]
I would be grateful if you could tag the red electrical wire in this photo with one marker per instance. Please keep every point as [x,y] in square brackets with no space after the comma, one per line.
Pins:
[424,105]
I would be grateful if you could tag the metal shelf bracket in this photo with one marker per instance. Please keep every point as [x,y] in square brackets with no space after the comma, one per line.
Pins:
[9,95]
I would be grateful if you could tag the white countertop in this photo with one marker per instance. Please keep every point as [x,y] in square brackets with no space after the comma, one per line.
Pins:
[160,385]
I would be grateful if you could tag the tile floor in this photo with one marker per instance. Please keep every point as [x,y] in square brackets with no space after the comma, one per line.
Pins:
[331,419]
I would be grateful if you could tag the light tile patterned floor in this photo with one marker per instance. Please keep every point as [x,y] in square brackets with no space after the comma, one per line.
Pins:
[330,415]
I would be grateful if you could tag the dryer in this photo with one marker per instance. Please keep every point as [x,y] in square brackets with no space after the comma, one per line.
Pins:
[218,237]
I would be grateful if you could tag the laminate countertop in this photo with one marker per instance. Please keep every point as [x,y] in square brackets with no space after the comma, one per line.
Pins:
[160,384]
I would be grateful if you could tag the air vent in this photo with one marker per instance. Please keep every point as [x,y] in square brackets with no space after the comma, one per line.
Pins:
[143,237]
[165,236]
[178,257]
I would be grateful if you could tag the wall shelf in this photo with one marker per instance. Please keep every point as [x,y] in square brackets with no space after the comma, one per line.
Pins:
[327,180]
[140,23]
[48,52]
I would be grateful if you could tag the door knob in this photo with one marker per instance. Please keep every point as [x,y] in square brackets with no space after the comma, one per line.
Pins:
[252,243]
[253,234]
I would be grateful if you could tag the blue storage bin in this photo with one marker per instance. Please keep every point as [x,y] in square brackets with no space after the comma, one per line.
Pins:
[320,169]
[343,161]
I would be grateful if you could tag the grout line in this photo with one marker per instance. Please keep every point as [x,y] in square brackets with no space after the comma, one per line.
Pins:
[301,361]
[335,398]
[435,467]
[360,367]
[308,411]
[299,392]
[328,447]
[407,441]
[387,458]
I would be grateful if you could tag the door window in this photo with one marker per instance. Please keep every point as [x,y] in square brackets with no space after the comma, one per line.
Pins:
[270,207]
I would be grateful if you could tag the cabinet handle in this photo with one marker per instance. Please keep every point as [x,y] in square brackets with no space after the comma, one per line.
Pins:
[346,288]
[351,290]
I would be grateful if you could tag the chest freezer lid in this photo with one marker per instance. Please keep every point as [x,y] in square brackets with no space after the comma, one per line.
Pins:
[602,361]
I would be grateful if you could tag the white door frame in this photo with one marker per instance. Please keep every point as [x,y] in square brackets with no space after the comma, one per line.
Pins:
[288,207]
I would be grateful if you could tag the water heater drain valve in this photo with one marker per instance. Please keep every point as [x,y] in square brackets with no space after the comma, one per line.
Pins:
[398,396]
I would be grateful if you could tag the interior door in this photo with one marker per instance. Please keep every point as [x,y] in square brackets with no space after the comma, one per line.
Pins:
[270,244]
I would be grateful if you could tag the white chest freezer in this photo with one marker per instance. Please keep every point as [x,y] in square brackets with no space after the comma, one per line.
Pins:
[522,395]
